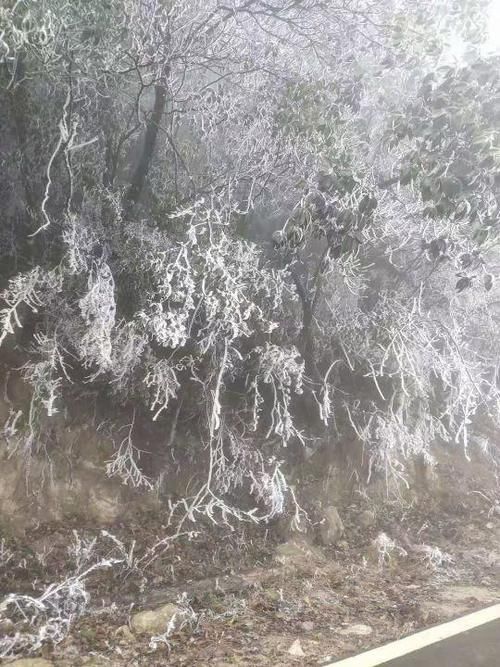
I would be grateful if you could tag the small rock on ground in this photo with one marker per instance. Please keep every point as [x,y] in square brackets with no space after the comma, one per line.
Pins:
[367,519]
[308,626]
[332,527]
[154,621]
[123,632]
[298,552]
[359,630]
[296,649]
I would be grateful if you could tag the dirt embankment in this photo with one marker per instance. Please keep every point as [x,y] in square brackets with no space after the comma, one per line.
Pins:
[245,598]
[367,569]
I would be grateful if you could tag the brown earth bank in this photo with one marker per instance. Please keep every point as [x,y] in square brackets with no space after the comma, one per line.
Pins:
[248,597]
[370,564]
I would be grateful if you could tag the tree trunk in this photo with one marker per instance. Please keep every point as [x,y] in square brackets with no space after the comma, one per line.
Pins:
[136,187]
[307,343]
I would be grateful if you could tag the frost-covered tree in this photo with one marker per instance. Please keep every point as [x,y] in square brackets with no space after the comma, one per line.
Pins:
[223,209]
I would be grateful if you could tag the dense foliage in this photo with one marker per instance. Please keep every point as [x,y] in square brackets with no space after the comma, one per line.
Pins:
[280,217]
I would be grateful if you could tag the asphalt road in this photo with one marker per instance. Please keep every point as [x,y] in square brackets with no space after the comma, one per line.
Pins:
[469,641]
[479,647]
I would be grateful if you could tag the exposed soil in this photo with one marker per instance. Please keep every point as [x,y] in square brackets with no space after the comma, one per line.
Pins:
[250,599]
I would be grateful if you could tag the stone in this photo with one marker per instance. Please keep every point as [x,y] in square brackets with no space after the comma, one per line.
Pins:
[358,630]
[31,662]
[154,621]
[291,550]
[123,632]
[307,626]
[296,649]
[299,554]
[332,527]
[6,626]
[367,519]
